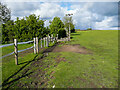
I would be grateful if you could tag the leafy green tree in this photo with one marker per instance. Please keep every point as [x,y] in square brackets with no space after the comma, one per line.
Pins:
[40,28]
[5,13]
[31,24]
[17,29]
[35,25]
[10,28]
[23,29]
[7,32]
[55,25]
[45,32]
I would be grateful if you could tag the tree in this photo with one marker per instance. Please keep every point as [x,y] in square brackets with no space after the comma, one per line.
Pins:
[40,28]
[61,33]
[23,29]
[55,25]
[7,31]
[68,21]
[35,25]
[16,29]
[5,13]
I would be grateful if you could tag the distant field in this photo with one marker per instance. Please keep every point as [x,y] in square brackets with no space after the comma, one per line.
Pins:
[89,60]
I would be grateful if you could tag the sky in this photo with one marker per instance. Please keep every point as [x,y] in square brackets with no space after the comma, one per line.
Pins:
[96,15]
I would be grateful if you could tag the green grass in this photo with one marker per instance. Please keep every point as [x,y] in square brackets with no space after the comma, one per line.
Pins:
[97,70]
[10,49]
[87,71]
[10,70]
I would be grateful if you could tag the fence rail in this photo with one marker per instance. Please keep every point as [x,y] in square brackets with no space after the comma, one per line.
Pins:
[6,45]
[18,51]
[44,43]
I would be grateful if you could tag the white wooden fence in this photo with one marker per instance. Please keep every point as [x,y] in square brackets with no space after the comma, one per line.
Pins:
[44,43]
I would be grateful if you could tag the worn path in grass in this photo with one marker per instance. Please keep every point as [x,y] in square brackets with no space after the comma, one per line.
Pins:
[87,61]
[70,48]
[36,77]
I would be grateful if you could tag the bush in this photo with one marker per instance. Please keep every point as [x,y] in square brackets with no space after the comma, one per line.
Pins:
[61,33]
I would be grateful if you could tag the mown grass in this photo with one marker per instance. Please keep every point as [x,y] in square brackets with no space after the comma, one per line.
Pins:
[97,70]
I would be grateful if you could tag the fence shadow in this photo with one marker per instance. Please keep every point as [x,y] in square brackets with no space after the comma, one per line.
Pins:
[24,75]
[6,82]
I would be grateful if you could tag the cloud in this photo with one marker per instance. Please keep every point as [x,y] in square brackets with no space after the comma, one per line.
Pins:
[98,15]
[107,24]
[20,9]
[87,15]
[105,8]
[50,10]
[81,14]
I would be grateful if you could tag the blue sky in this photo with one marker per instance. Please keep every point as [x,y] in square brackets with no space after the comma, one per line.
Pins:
[97,15]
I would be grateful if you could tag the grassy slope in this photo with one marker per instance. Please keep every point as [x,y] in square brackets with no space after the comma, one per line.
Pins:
[97,70]
[79,70]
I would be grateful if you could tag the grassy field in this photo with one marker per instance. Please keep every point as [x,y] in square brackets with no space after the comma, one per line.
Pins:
[68,69]
[10,49]
[97,70]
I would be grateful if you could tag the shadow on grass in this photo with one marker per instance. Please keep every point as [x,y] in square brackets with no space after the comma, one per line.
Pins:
[24,75]
[50,49]
[9,83]
[6,82]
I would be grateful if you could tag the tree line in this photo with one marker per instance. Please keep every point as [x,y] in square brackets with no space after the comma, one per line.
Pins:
[31,26]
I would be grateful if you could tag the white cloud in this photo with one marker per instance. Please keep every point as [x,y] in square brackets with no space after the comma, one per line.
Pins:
[106,24]
[21,9]
[84,14]
[81,15]
[84,17]
[49,10]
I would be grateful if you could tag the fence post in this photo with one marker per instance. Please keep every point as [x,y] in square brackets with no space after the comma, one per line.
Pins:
[37,46]
[34,46]
[53,39]
[44,41]
[16,51]
[41,42]
[48,39]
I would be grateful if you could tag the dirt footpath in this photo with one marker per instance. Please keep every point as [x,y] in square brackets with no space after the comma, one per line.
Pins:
[69,48]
